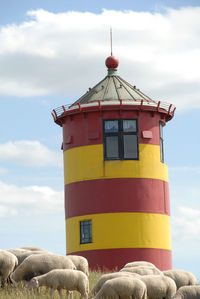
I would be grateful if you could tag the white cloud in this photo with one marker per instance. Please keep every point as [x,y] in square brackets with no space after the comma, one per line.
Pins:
[65,53]
[29,153]
[189,213]
[186,224]
[27,201]
[5,211]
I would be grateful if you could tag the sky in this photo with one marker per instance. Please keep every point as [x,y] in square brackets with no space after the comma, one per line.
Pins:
[51,52]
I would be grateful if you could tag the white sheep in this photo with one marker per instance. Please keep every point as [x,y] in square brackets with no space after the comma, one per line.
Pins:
[109,276]
[181,277]
[123,287]
[159,286]
[59,279]
[38,264]
[8,261]
[16,251]
[80,262]
[142,270]
[21,254]
[139,263]
[33,248]
[188,292]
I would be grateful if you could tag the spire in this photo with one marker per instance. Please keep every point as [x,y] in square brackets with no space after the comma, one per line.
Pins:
[111,62]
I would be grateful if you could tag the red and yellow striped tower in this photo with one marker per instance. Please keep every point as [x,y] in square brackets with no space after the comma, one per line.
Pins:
[116,182]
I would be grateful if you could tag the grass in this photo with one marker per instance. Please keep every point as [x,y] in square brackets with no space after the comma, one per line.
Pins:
[21,292]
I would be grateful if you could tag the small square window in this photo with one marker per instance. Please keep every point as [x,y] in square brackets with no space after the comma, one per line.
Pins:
[86,231]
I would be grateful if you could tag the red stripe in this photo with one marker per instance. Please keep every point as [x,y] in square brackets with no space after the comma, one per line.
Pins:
[86,128]
[116,195]
[115,259]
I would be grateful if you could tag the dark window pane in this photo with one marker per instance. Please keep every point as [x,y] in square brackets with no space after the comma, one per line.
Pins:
[111,126]
[161,143]
[161,131]
[130,147]
[112,147]
[86,231]
[129,125]
[161,151]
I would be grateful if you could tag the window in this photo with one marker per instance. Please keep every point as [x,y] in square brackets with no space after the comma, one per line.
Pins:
[161,143]
[86,231]
[120,139]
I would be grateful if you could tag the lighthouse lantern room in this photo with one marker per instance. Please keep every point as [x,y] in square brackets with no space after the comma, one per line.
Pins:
[116,183]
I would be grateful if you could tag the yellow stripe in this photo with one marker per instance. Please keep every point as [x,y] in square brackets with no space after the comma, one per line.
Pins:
[121,230]
[87,163]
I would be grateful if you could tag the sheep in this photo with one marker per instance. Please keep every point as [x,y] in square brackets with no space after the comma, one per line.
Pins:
[181,277]
[142,270]
[139,263]
[33,248]
[8,261]
[80,262]
[159,286]
[188,292]
[39,264]
[22,254]
[109,276]
[123,287]
[59,279]
[16,251]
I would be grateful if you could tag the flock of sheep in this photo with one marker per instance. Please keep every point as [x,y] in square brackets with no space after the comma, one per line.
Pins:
[36,267]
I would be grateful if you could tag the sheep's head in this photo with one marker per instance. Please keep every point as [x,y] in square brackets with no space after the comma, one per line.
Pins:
[13,282]
[33,283]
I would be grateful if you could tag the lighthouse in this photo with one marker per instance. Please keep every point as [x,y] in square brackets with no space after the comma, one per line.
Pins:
[117,206]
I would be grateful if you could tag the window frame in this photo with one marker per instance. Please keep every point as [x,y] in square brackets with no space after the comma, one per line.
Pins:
[84,240]
[120,135]
[161,142]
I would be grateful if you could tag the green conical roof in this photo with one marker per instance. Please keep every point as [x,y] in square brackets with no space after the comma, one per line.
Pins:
[113,88]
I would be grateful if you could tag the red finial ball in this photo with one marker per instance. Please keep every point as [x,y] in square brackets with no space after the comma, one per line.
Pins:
[112,62]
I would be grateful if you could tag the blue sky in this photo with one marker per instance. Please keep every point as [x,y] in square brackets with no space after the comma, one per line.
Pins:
[51,52]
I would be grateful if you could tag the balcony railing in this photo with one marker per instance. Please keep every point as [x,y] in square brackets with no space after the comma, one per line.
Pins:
[140,105]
